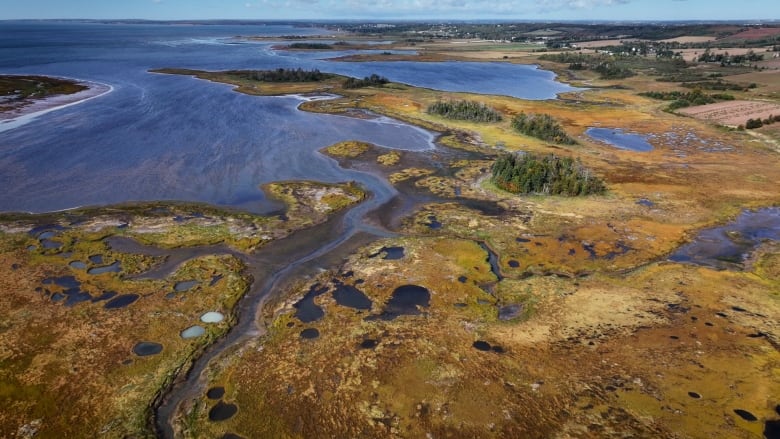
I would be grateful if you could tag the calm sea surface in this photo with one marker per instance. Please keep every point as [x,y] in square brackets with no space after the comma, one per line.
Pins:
[159,137]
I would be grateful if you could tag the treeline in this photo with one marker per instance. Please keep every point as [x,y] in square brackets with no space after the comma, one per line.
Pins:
[368,81]
[282,75]
[725,59]
[719,85]
[687,99]
[310,46]
[758,122]
[549,174]
[606,67]
[542,126]
[465,110]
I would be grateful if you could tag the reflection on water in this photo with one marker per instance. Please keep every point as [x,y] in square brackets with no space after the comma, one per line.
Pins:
[726,247]
[158,137]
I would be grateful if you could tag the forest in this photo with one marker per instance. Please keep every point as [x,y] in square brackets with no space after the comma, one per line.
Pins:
[368,81]
[465,110]
[281,75]
[527,173]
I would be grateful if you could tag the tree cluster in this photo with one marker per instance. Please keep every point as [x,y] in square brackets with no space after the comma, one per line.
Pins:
[282,75]
[549,174]
[605,65]
[368,81]
[542,126]
[758,122]
[720,85]
[686,99]
[465,110]
[726,59]
[310,46]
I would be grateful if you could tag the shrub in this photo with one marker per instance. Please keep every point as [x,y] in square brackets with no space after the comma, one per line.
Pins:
[368,81]
[541,126]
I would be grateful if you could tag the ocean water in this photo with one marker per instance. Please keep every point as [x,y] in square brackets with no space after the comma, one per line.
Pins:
[160,137]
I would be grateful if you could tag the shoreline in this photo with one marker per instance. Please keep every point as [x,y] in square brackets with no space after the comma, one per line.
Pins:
[27,113]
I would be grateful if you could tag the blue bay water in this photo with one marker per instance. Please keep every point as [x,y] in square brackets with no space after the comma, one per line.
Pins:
[160,137]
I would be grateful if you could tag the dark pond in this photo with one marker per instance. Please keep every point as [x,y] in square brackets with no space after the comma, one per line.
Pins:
[347,295]
[116,267]
[310,333]
[694,395]
[47,235]
[433,223]
[66,282]
[391,253]
[121,301]
[726,247]
[186,285]
[77,297]
[369,344]
[522,240]
[78,265]
[514,264]
[146,348]
[96,259]
[462,279]
[404,301]
[746,415]
[215,393]
[222,411]
[772,429]
[619,139]
[481,345]
[305,309]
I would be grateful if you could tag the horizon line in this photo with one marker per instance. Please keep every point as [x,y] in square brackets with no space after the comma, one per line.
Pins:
[406,20]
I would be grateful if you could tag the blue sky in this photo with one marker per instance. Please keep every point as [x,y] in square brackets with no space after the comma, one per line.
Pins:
[395,9]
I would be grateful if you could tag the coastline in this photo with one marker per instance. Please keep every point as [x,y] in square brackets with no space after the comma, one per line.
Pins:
[22,116]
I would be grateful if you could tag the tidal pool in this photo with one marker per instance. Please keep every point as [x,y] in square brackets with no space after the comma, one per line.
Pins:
[726,247]
[619,139]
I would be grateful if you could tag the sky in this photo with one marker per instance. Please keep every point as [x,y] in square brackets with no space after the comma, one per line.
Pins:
[547,10]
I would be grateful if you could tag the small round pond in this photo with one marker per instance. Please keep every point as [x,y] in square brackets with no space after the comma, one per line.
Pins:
[212,317]
[146,348]
[193,332]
